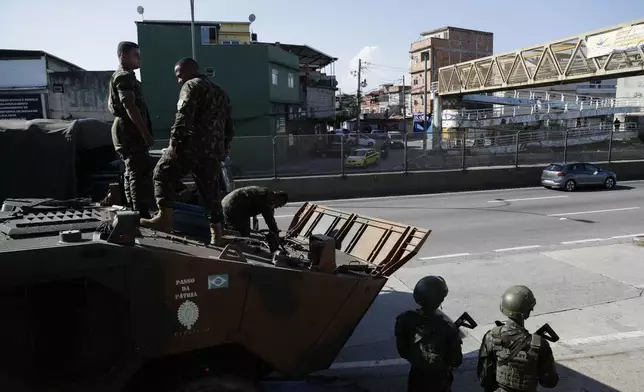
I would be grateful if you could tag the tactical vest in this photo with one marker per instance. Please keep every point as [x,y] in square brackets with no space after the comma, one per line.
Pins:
[429,345]
[517,356]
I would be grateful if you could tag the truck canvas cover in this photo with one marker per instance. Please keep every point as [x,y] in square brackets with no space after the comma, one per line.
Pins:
[38,157]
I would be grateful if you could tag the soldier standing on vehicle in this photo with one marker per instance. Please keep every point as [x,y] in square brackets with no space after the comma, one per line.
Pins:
[199,138]
[242,204]
[131,128]
[429,341]
[510,358]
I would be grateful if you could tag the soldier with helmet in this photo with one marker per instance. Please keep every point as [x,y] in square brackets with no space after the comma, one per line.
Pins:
[510,358]
[429,341]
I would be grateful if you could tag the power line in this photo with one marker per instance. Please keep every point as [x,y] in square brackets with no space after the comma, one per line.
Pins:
[391,67]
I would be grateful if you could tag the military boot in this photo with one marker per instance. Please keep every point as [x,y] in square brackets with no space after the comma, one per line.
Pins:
[162,221]
[216,238]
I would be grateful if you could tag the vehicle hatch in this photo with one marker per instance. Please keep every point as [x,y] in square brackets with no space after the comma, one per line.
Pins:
[382,245]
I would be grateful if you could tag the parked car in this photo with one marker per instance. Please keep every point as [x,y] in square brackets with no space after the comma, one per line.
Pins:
[362,157]
[362,140]
[378,134]
[396,140]
[570,176]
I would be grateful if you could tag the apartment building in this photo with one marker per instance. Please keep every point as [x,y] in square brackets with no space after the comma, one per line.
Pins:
[387,100]
[444,46]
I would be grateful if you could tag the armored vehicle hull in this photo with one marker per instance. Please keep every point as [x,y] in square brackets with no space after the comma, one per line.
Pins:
[100,310]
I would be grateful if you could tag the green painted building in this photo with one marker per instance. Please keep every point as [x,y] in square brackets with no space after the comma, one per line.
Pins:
[262,81]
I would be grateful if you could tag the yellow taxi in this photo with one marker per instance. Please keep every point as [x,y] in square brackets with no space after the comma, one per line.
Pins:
[362,157]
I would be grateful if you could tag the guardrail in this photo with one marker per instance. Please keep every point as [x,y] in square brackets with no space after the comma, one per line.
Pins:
[311,155]
[553,96]
[545,107]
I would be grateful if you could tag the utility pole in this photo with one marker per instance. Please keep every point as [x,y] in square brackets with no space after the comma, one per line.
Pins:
[192,28]
[425,56]
[361,84]
[358,95]
[404,111]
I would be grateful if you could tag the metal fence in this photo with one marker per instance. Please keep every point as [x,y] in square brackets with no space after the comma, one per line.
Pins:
[311,155]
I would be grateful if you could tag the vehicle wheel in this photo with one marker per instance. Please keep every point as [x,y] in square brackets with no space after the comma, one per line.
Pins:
[570,185]
[370,144]
[609,183]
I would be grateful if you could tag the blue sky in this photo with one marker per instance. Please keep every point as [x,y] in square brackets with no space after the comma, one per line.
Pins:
[379,31]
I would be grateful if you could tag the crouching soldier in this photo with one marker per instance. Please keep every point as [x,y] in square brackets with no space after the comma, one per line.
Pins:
[242,204]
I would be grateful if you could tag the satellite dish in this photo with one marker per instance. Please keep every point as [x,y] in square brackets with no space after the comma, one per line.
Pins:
[251,18]
[140,10]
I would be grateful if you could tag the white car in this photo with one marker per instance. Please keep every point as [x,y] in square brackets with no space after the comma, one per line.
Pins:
[362,140]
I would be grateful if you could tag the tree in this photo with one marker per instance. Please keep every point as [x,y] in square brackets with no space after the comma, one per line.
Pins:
[348,105]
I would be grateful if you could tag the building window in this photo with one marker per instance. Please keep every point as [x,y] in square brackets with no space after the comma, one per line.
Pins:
[415,81]
[210,72]
[291,81]
[274,77]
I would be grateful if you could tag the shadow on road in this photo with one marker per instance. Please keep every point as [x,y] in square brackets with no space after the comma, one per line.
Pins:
[374,340]
[601,189]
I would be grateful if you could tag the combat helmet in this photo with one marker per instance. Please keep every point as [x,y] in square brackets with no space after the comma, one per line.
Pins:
[430,292]
[517,302]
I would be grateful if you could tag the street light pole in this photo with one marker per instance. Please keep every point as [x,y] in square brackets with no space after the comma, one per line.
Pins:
[192,28]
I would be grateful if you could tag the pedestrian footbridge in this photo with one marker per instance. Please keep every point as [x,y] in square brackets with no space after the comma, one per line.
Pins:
[608,53]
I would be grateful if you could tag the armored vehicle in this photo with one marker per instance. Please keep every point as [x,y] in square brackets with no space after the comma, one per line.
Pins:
[91,302]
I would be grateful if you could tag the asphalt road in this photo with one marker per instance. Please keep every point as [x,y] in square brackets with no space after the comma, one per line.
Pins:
[574,250]
[507,220]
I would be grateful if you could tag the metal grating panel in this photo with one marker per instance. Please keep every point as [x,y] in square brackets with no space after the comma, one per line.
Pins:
[385,245]
[51,222]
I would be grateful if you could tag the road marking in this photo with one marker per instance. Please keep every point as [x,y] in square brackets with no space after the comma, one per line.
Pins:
[445,256]
[595,211]
[279,216]
[527,199]
[582,241]
[603,338]
[474,355]
[518,248]
[617,237]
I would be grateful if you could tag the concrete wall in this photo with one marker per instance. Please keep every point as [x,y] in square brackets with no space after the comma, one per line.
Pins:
[56,65]
[80,94]
[320,101]
[416,183]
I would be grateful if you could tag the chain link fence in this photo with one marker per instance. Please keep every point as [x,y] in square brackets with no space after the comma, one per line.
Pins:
[334,154]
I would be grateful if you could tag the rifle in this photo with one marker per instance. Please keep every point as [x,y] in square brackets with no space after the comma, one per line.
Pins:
[466,321]
[545,332]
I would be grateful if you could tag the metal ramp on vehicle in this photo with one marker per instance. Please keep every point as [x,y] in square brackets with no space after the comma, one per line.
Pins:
[383,244]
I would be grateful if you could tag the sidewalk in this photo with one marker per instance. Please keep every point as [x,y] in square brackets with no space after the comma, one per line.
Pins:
[591,296]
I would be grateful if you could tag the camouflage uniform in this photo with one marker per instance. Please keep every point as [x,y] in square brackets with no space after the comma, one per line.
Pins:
[199,137]
[501,368]
[128,142]
[243,203]
[432,345]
